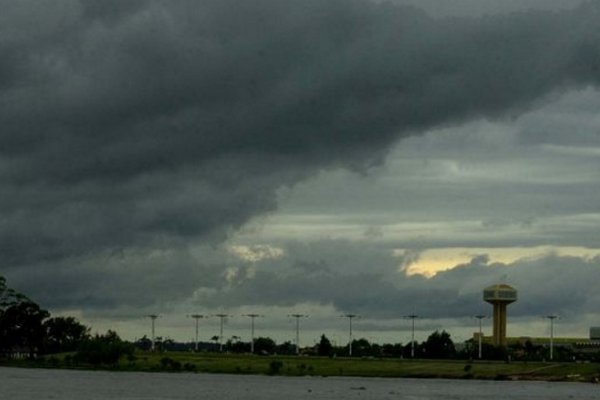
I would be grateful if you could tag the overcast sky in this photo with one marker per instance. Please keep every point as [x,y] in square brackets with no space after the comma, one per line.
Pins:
[315,156]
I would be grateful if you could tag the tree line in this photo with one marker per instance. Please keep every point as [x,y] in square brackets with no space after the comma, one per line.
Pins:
[27,330]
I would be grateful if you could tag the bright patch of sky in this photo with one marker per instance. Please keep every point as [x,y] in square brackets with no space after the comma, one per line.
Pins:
[505,188]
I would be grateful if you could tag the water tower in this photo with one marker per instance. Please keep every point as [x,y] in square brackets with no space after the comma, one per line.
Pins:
[499,296]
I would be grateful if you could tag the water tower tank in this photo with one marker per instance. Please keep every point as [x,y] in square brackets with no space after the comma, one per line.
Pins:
[500,293]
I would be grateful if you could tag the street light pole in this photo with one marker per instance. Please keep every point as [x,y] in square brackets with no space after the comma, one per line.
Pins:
[252,317]
[412,317]
[298,316]
[480,317]
[350,317]
[551,318]
[152,318]
[196,317]
[222,318]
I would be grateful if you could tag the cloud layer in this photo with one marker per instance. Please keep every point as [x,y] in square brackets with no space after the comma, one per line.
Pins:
[142,127]
[369,279]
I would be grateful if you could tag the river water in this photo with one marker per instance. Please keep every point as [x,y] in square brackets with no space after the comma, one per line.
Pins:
[31,384]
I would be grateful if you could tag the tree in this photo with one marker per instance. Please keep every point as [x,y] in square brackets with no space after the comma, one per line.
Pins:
[215,339]
[103,349]
[407,349]
[20,321]
[392,350]
[235,345]
[63,334]
[286,348]
[21,326]
[376,350]
[166,344]
[325,348]
[492,352]
[264,345]
[144,343]
[360,348]
[8,296]
[439,345]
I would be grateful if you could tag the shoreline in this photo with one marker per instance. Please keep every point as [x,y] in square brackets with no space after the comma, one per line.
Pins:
[292,366]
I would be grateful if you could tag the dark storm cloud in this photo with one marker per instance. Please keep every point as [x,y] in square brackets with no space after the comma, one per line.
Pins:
[546,285]
[123,283]
[366,278]
[142,124]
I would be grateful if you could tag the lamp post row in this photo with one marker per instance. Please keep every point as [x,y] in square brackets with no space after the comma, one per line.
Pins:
[350,317]
[222,318]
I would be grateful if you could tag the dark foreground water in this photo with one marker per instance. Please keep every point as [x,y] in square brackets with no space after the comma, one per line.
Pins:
[31,384]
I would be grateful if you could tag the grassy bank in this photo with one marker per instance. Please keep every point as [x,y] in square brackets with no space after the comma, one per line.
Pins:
[319,366]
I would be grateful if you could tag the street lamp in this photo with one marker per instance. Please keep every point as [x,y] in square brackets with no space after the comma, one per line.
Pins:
[153,318]
[350,317]
[196,317]
[551,318]
[222,318]
[480,317]
[252,317]
[412,317]
[298,316]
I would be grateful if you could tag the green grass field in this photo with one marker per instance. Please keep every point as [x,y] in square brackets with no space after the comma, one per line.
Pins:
[321,366]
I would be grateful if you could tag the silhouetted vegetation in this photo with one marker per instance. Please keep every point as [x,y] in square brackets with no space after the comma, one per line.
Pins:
[28,330]
[104,349]
[63,334]
[325,348]
[286,348]
[438,345]
[275,367]
[21,329]
[264,345]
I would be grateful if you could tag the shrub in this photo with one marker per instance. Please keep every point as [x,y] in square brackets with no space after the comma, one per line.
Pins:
[189,367]
[275,367]
[103,349]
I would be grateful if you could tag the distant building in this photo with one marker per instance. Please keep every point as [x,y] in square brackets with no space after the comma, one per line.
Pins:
[595,333]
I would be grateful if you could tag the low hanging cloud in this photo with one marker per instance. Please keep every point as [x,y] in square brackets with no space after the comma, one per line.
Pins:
[132,126]
[367,278]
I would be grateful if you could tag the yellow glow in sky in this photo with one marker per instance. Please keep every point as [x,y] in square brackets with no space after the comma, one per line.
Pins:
[432,261]
[255,253]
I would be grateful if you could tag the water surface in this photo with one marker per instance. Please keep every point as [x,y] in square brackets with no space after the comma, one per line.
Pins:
[30,384]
